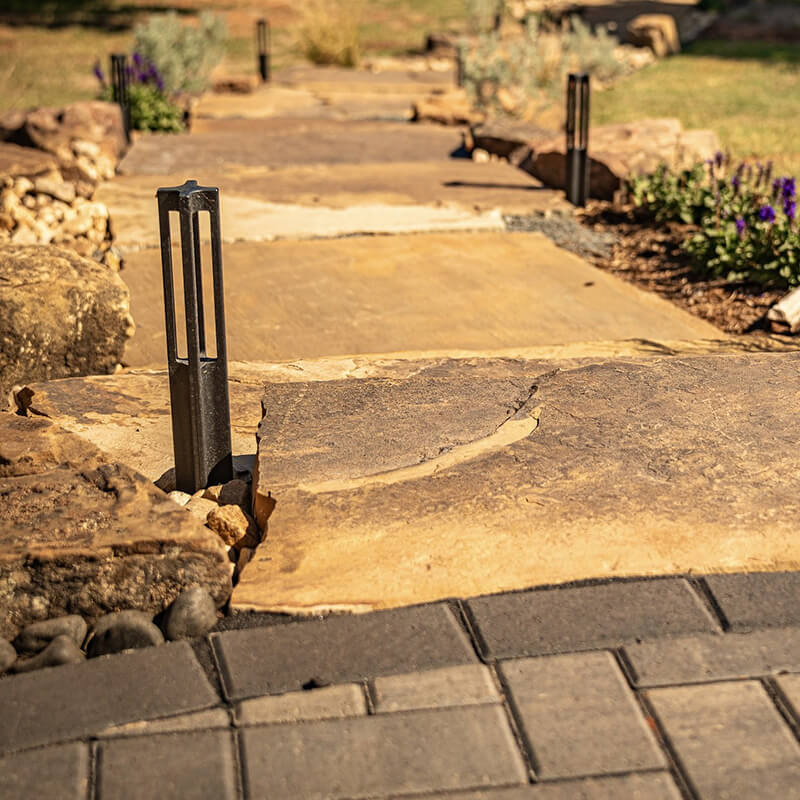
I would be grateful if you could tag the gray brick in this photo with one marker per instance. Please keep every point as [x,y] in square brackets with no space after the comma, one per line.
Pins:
[78,700]
[198,721]
[466,685]
[638,786]
[50,773]
[415,752]
[704,658]
[758,599]
[730,740]
[185,765]
[579,717]
[330,702]
[339,649]
[587,617]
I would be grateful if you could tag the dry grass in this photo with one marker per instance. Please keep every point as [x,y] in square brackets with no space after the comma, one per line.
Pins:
[329,31]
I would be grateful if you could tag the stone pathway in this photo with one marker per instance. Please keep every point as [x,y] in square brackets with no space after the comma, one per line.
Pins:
[523,420]
[679,687]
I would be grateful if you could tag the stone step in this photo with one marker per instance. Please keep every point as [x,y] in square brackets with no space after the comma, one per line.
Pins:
[383,294]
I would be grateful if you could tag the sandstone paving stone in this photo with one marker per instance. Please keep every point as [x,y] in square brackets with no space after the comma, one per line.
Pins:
[78,700]
[8,655]
[579,717]
[47,773]
[123,630]
[339,649]
[192,613]
[194,766]
[703,658]
[213,718]
[758,599]
[790,686]
[730,740]
[585,617]
[637,786]
[470,684]
[61,650]
[386,754]
[38,635]
[327,702]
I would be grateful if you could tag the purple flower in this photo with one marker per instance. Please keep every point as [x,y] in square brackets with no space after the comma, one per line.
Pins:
[736,182]
[718,158]
[789,207]
[776,186]
[98,73]
[137,60]
[788,188]
[741,226]
[766,213]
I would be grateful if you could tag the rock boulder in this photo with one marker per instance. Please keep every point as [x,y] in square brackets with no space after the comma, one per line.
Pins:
[618,152]
[659,32]
[60,315]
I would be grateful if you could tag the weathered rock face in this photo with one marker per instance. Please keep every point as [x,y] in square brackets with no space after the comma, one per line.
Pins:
[60,315]
[656,31]
[447,108]
[618,152]
[16,161]
[80,535]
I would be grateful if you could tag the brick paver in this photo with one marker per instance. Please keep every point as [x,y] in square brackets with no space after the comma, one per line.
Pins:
[639,786]
[387,754]
[703,658]
[51,772]
[470,684]
[329,702]
[183,765]
[586,617]
[579,717]
[339,649]
[758,599]
[789,685]
[77,700]
[182,723]
[730,740]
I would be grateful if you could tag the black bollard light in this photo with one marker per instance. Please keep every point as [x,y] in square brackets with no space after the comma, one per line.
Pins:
[120,92]
[198,385]
[577,179]
[264,44]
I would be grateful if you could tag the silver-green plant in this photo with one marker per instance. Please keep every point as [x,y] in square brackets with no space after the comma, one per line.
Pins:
[183,54]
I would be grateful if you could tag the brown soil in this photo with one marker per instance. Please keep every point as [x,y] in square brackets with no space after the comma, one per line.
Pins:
[652,258]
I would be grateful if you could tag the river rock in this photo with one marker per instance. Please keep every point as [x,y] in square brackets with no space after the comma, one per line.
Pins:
[192,613]
[123,630]
[38,635]
[8,655]
[62,650]
[60,315]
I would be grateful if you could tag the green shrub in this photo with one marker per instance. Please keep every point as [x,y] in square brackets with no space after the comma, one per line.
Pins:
[746,226]
[184,54]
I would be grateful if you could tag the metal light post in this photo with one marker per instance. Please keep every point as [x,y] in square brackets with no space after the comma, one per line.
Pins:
[198,385]
[264,44]
[577,179]
[120,83]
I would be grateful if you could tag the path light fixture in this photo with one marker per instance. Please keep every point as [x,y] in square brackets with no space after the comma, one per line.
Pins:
[198,384]
[120,89]
[577,179]
[264,44]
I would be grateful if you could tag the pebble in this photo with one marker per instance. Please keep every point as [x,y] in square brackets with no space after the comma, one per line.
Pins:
[192,613]
[123,630]
[38,635]
[8,655]
[233,526]
[233,493]
[62,650]
[181,498]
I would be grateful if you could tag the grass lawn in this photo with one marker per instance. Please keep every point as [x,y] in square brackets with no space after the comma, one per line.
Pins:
[748,92]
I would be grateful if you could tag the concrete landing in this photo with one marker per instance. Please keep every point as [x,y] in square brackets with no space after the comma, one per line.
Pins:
[380,294]
[477,477]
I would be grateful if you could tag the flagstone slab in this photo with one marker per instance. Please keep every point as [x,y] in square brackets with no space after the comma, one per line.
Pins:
[664,466]
[385,294]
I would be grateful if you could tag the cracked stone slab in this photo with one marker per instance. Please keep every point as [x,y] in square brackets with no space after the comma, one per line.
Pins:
[384,493]
[81,533]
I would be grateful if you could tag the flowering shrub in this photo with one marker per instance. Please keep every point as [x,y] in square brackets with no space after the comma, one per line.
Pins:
[151,108]
[746,219]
